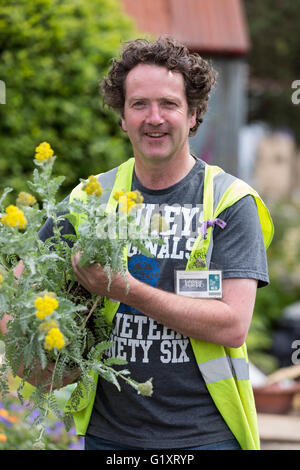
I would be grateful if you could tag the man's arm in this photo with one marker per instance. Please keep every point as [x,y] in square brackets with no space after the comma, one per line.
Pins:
[224,321]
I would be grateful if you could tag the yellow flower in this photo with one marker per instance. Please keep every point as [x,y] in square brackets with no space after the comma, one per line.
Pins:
[43,152]
[137,196]
[45,306]
[125,204]
[47,325]
[132,195]
[54,339]
[3,437]
[14,217]
[128,200]
[118,194]
[25,199]
[93,187]
[1,278]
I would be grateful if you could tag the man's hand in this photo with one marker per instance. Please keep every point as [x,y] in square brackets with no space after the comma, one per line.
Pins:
[94,279]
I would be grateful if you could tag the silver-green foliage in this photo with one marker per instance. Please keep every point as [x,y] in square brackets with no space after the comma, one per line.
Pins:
[48,269]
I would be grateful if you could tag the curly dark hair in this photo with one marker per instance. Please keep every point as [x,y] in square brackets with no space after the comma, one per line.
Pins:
[198,74]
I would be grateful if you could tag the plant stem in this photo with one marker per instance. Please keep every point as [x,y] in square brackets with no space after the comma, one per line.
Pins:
[49,396]
[92,309]
[131,382]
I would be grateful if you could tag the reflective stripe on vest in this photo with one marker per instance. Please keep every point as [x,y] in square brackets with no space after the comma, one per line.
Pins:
[225,370]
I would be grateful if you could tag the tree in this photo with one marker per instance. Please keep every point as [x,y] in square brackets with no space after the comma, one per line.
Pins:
[53,54]
[274,61]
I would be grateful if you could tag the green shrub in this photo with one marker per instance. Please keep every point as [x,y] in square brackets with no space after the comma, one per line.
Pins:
[284,288]
[53,55]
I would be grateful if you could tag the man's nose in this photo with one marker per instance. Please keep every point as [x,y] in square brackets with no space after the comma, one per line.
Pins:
[154,115]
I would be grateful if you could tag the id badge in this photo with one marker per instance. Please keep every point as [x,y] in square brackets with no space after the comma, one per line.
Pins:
[199,284]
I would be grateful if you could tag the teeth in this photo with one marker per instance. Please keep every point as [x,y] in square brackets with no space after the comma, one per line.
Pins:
[155,134]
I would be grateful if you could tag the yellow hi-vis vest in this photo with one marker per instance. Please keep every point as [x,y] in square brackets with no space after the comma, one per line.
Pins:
[225,370]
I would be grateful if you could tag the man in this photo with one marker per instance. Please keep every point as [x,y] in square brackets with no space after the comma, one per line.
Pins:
[193,348]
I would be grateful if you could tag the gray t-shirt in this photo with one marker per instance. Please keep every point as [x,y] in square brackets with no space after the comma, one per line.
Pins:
[180,412]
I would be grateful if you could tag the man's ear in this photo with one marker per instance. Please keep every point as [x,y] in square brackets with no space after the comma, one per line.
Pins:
[193,115]
[123,123]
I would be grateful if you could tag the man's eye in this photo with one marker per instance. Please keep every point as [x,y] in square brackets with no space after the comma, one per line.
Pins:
[138,104]
[170,104]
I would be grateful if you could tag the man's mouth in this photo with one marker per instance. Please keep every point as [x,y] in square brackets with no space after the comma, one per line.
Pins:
[155,135]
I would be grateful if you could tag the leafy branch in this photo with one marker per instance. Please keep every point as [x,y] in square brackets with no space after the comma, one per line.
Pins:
[56,327]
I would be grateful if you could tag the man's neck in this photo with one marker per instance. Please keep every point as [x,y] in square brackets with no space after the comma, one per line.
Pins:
[160,175]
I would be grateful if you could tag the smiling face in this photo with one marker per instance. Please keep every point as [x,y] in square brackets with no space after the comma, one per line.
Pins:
[156,115]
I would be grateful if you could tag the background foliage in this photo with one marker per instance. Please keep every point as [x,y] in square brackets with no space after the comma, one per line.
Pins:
[284,288]
[53,54]
[274,62]
[273,66]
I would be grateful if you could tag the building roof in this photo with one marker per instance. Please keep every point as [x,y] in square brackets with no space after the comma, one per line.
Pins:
[206,26]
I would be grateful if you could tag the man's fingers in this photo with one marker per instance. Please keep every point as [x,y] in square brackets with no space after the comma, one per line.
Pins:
[19,269]
[75,259]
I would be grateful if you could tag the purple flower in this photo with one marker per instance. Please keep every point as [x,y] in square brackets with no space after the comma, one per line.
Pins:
[49,430]
[79,445]
[5,421]
[33,415]
[58,426]
[13,407]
